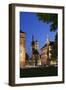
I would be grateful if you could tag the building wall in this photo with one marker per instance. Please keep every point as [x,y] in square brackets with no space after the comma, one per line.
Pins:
[22,49]
[44,55]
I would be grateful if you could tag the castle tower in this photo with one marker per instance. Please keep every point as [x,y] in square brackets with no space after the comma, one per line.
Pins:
[22,48]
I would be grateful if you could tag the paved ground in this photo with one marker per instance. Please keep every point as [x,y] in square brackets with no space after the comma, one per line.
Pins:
[39,71]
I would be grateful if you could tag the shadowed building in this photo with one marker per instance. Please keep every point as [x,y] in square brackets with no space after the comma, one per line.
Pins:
[22,48]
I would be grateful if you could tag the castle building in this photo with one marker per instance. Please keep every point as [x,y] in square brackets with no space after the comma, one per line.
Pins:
[22,48]
[46,52]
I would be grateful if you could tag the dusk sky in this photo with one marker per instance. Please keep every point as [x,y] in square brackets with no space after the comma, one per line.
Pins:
[30,24]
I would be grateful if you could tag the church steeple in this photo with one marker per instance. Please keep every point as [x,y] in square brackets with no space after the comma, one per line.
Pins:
[33,41]
[32,38]
[47,40]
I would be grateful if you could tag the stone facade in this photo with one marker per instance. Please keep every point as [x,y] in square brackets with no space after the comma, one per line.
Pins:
[46,52]
[22,48]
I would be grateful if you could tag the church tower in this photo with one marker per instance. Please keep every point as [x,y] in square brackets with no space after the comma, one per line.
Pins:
[35,52]
[33,45]
[33,48]
[36,45]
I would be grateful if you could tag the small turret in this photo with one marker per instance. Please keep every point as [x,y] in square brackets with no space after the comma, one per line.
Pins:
[47,40]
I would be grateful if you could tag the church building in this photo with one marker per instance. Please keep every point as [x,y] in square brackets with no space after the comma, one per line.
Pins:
[46,52]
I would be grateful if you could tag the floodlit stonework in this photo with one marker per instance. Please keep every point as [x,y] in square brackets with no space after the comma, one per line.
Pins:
[46,53]
[22,48]
[36,58]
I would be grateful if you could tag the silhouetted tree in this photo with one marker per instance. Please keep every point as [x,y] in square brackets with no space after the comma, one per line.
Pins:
[55,49]
[51,19]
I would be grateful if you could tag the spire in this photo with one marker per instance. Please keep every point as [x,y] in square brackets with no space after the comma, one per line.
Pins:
[47,41]
[32,38]
[33,41]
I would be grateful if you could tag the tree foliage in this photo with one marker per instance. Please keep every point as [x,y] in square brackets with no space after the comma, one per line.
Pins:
[51,19]
[55,48]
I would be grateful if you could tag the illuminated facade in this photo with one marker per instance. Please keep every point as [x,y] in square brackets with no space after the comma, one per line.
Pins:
[46,53]
[36,59]
[22,48]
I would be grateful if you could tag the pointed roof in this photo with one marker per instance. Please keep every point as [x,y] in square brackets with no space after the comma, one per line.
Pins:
[47,40]
[33,40]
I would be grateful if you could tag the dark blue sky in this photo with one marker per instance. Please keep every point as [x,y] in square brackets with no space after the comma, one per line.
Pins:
[30,24]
